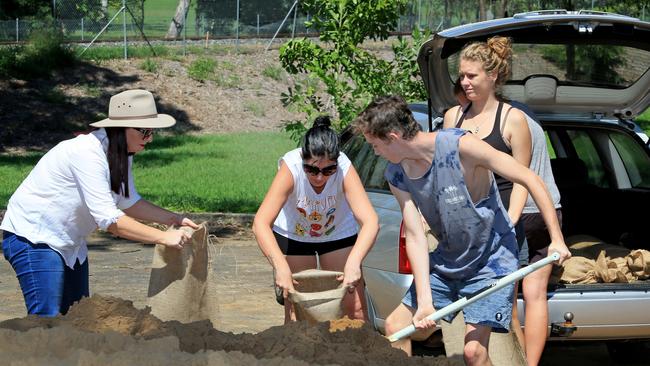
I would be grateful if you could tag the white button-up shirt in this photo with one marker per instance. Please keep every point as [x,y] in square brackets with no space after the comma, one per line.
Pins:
[67,196]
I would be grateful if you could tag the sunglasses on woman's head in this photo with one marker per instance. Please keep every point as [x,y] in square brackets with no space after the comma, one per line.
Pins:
[314,170]
[145,132]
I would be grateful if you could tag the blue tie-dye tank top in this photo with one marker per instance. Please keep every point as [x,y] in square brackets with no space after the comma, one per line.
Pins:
[475,240]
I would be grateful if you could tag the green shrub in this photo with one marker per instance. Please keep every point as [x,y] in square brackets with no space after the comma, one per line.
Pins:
[229,81]
[44,53]
[202,69]
[254,107]
[644,121]
[273,72]
[149,65]
[7,60]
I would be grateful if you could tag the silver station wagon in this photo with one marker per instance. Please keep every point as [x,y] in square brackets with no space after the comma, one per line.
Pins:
[586,76]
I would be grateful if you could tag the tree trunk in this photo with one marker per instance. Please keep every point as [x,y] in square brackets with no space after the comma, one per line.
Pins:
[501,10]
[104,15]
[445,18]
[178,22]
[481,10]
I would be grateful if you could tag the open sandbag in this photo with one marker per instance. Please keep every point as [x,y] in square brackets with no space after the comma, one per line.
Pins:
[318,296]
[181,285]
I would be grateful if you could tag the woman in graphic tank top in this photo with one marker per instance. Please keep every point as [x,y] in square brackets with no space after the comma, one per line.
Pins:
[317,211]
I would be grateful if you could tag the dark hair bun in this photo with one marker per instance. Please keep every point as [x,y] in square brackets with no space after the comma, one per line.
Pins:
[322,121]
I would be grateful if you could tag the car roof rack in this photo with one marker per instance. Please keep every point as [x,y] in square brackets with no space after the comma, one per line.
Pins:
[539,12]
[563,11]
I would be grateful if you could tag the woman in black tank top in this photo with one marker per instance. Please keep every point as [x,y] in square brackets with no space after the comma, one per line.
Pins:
[483,68]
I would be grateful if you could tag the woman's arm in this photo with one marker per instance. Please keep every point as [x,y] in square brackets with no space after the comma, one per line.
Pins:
[128,228]
[147,211]
[275,198]
[90,171]
[449,120]
[516,132]
[366,216]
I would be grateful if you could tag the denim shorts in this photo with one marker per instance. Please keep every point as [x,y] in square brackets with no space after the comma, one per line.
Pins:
[493,311]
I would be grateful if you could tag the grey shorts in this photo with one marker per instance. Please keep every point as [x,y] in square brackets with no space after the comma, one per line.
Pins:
[493,311]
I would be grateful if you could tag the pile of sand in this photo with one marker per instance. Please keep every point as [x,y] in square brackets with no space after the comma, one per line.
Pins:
[110,331]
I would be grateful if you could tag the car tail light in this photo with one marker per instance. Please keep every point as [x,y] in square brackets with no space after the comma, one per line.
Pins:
[404,266]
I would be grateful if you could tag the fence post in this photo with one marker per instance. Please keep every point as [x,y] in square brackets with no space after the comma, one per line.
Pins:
[82,29]
[237,23]
[124,27]
[185,33]
[295,13]
[258,25]
[419,14]
[17,30]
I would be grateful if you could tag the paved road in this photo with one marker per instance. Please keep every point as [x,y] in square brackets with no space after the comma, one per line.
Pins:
[246,299]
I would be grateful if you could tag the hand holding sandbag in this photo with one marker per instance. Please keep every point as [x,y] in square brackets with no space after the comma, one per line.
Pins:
[175,238]
[284,281]
[184,221]
[350,277]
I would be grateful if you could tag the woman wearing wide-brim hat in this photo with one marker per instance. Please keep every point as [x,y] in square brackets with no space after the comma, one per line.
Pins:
[78,186]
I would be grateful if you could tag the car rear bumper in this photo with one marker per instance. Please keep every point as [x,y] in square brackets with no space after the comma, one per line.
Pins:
[601,311]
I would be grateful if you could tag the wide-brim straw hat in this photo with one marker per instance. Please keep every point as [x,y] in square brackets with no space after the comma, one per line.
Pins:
[134,108]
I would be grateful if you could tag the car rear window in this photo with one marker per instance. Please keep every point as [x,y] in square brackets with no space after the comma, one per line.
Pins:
[575,64]
[612,158]
[369,166]
[636,161]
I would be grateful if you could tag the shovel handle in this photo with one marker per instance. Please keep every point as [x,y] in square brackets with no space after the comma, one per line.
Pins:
[486,291]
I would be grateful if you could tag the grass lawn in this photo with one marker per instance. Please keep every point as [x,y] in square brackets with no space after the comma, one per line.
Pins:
[212,173]
[644,121]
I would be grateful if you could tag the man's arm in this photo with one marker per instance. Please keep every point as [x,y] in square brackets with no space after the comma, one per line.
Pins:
[417,251]
[477,153]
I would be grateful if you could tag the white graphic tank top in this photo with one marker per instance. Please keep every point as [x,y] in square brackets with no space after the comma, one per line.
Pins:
[315,217]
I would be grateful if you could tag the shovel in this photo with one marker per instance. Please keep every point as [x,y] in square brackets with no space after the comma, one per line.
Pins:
[486,291]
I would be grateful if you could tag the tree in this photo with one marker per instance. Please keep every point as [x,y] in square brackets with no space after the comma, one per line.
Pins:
[178,21]
[350,75]
[11,9]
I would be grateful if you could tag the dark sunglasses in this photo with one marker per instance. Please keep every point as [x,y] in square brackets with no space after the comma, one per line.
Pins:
[313,170]
[146,132]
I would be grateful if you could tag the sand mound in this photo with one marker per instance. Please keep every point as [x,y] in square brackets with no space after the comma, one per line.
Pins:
[110,331]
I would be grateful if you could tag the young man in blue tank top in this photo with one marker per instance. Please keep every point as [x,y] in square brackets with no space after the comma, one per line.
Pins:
[447,176]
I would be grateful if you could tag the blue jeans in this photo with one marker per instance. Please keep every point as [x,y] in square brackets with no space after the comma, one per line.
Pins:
[48,285]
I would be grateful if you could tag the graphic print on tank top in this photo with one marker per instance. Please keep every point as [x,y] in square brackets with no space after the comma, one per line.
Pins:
[316,216]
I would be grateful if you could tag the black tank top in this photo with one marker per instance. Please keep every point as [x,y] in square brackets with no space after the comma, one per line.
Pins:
[495,139]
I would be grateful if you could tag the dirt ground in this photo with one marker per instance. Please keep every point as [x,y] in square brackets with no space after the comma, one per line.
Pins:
[248,329]
[248,326]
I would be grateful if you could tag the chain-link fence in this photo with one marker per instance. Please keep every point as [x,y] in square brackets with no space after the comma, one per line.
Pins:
[112,20]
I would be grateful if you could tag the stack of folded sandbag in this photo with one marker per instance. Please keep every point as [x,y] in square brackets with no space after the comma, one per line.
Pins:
[594,261]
